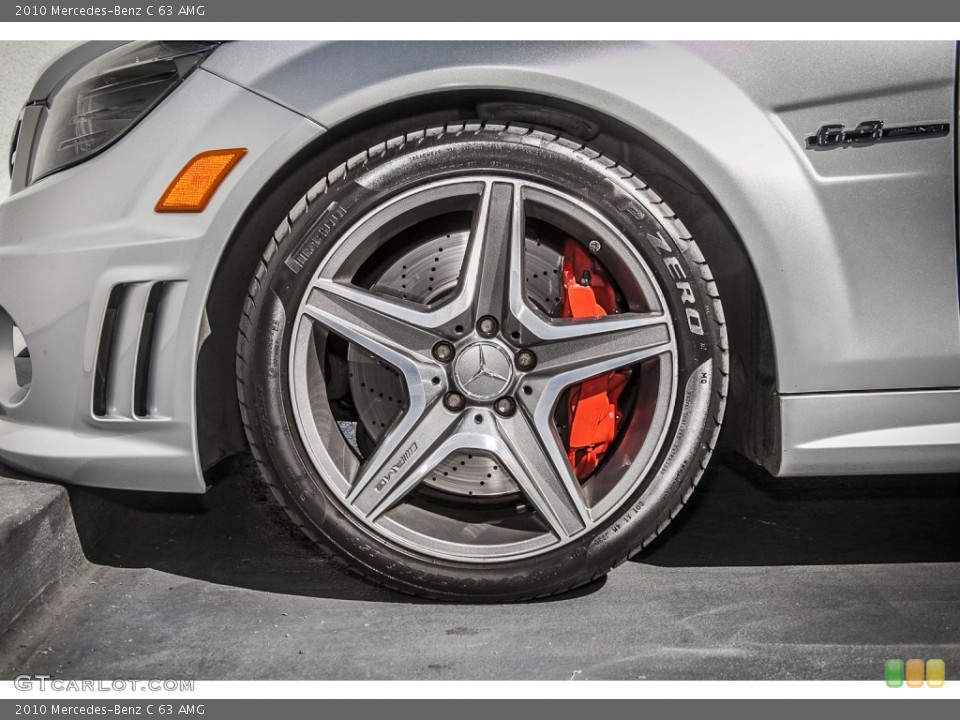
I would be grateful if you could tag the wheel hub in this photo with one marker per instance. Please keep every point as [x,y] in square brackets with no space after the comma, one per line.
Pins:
[483,371]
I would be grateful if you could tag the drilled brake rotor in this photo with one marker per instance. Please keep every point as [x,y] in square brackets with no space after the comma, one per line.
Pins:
[425,274]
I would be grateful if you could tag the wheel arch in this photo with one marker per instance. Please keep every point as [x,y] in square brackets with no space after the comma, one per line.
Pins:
[751,426]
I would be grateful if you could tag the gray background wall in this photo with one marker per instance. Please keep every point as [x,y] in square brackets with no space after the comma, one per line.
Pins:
[20,64]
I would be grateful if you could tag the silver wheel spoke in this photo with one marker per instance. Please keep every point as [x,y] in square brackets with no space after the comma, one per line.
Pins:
[495,253]
[395,309]
[375,323]
[402,460]
[543,473]
[588,348]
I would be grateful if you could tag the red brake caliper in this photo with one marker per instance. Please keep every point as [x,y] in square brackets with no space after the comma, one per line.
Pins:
[587,292]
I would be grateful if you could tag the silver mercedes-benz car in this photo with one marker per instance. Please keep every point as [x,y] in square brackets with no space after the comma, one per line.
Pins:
[480,310]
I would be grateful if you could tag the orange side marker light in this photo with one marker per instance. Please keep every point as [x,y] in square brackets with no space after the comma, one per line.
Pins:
[195,184]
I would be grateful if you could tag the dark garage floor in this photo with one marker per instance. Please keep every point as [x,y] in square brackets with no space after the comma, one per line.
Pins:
[759,578]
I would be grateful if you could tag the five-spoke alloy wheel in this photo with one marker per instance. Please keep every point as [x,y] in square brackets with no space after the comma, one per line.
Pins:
[482,362]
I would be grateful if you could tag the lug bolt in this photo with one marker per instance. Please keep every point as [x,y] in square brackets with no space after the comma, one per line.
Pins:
[443,351]
[453,401]
[488,326]
[525,360]
[594,246]
[505,407]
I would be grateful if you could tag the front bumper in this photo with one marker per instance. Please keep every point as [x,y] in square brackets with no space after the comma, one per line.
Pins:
[72,241]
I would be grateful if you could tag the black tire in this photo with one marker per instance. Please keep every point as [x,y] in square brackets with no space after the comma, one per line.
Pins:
[405,161]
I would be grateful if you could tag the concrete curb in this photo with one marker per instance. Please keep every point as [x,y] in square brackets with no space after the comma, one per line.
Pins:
[39,545]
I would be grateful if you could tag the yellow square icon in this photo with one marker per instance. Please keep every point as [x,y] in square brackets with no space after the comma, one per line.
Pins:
[936,672]
[914,673]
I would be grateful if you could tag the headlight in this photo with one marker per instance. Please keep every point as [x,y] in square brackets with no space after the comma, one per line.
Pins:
[107,97]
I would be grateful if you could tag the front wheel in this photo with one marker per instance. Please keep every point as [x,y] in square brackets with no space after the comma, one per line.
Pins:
[482,362]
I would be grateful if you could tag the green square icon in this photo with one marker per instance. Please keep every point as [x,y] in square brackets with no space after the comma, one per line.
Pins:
[894,673]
